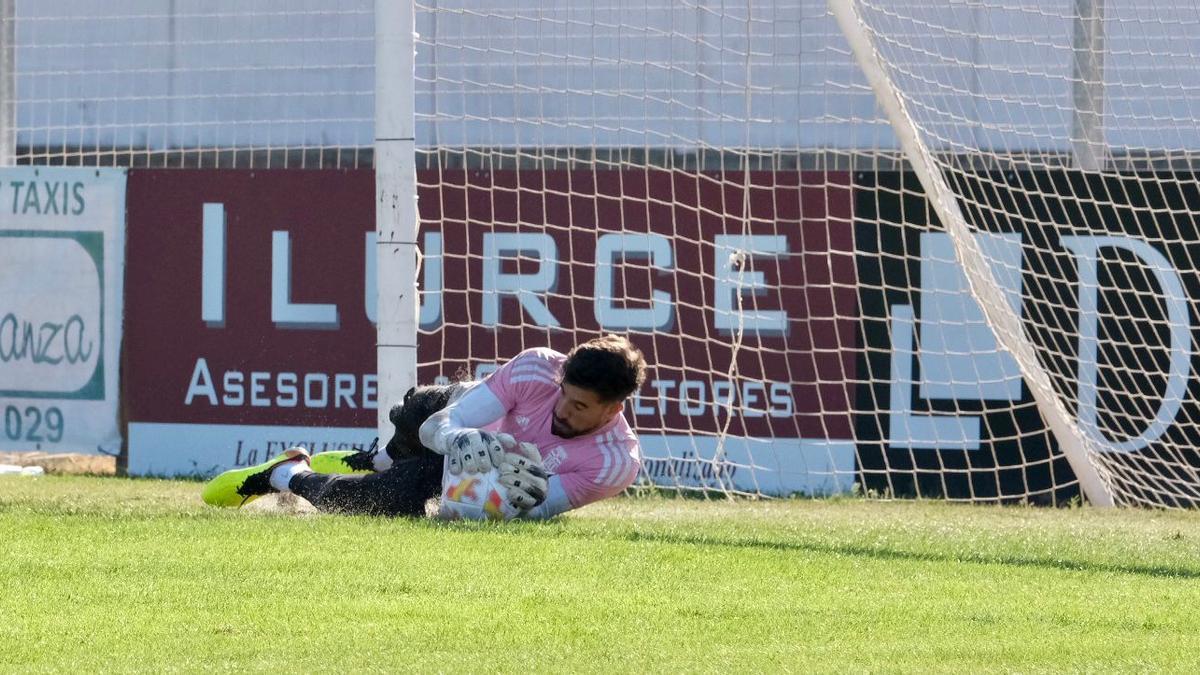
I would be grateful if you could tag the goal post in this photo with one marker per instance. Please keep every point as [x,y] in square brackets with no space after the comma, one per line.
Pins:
[396,251]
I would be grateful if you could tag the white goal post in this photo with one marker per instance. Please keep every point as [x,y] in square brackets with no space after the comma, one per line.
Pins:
[396,220]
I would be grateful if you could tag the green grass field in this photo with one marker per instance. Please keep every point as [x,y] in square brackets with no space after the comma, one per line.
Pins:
[107,574]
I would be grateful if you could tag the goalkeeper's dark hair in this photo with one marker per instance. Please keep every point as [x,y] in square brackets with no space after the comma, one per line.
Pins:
[408,416]
[610,366]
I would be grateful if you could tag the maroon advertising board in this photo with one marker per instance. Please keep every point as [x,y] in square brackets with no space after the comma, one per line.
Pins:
[326,215]
[812,281]
[207,381]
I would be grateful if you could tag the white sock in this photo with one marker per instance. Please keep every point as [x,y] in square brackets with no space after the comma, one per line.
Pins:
[381,461]
[282,475]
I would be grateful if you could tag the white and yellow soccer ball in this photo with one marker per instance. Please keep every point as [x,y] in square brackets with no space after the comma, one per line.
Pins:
[475,496]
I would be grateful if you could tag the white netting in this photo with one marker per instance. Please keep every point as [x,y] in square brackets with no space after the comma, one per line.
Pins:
[716,180]
[196,84]
[736,155]
[668,170]
[1067,129]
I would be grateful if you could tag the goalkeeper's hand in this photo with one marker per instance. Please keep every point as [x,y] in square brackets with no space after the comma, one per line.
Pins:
[524,477]
[477,451]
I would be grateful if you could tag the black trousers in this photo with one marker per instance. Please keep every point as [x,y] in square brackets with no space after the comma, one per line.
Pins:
[400,491]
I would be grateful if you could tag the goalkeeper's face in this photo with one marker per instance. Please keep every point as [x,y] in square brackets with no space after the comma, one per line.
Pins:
[580,411]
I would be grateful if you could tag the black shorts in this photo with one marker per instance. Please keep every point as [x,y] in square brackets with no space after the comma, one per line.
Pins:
[415,476]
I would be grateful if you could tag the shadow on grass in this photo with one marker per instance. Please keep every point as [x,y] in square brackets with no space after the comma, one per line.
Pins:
[883,553]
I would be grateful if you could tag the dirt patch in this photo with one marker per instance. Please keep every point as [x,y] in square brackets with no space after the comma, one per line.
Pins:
[100,465]
[290,504]
[285,503]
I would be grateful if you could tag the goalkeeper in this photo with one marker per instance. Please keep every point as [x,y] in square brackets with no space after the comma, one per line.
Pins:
[552,425]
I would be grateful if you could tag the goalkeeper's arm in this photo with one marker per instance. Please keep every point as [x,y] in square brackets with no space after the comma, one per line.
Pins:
[456,431]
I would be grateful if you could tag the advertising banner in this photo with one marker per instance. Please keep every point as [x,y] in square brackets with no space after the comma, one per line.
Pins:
[252,296]
[805,330]
[62,260]
[747,312]
[248,318]
[944,412]
[1105,289]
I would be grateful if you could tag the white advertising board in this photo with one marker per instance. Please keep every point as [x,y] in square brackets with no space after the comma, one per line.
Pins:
[62,262]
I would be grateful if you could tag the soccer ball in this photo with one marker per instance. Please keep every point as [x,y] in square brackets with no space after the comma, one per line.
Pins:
[475,496]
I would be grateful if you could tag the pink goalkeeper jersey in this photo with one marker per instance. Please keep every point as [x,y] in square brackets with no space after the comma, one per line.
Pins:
[591,467]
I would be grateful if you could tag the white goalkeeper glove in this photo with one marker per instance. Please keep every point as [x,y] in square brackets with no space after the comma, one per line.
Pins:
[477,451]
[524,477]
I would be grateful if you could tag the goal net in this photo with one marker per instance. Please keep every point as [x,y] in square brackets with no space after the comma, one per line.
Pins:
[221,84]
[913,248]
[644,168]
[1055,143]
[897,248]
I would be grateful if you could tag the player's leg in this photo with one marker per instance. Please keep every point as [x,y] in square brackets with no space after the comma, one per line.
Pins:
[402,490]
[347,461]
[238,487]
[384,491]
[407,417]
[401,478]
[399,491]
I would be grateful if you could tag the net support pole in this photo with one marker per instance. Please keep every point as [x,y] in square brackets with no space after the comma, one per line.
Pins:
[395,206]
[1000,316]
[1087,124]
[8,83]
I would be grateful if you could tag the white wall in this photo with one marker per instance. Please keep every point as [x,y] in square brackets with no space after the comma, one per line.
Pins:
[641,73]
[172,73]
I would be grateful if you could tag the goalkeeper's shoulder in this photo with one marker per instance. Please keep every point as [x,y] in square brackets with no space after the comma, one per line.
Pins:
[539,355]
[616,459]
